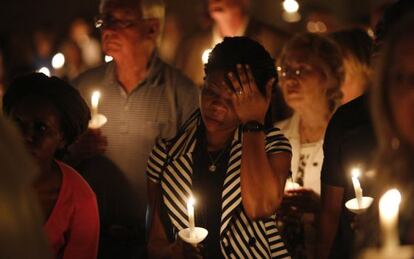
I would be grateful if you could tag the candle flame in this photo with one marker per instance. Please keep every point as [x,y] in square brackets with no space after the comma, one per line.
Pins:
[205,56]
[356,172]
[58,61]
[389,203]
[44,70]
[191,201]
[290,6]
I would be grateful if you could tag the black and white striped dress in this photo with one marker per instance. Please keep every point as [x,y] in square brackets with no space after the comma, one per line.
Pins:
[170,165]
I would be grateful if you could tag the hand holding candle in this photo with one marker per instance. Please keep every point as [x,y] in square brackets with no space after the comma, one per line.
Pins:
[192,234]
[357,186]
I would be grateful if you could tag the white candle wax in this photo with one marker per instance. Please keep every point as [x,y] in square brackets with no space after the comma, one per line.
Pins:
[357,186]
[190,210]
[96,95]
[388,207]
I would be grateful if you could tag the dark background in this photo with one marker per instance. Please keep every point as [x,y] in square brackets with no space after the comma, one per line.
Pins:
[19,18]
[18,15]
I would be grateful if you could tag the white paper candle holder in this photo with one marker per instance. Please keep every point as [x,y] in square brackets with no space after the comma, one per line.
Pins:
[354,207]
[193,236]
[97,121]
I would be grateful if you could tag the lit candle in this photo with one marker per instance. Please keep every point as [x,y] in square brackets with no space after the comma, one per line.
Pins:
[388,207]
[44,70]
[357,186]
[190,210]
[205,55]
[58,61]
[96,95]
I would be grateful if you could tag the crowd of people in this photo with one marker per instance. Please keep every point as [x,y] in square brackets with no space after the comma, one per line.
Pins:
[263,134]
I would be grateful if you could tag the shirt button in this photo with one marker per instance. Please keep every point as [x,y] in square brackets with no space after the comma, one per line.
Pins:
[252,241]
[228,250]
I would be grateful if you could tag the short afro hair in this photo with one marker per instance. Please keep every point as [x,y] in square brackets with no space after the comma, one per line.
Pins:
[242,50]
[74,111]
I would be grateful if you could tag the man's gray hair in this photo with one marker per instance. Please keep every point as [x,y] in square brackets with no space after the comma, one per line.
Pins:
[150,9]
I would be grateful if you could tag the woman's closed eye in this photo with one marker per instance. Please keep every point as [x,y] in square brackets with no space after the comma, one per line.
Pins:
[209,92]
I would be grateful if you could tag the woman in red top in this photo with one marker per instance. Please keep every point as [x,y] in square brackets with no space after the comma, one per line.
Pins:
[51,115]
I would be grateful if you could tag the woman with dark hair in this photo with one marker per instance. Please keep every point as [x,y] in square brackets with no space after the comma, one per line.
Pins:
[51,115]
[311,73]
[229,157]
[392,107]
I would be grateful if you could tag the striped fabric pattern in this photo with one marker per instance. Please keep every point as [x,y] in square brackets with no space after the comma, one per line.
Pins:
[240,237]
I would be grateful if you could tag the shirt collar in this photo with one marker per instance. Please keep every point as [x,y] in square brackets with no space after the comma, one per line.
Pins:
[153,79]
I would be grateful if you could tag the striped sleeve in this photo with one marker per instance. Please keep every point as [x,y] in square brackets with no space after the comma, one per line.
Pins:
[156,161]
[276,142]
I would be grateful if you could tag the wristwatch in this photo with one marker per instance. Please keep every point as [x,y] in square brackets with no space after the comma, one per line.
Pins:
[252,126]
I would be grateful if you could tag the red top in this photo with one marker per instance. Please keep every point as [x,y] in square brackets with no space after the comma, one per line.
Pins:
[73,226]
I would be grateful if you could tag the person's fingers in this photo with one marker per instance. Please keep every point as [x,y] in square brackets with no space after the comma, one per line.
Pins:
[269,87]
[101,140]
[252,82]
[94,132]
[243,78]
[235,83]
[191,251]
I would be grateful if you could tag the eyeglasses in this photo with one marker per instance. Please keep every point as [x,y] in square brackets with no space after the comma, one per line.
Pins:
[286,71]
[107,21]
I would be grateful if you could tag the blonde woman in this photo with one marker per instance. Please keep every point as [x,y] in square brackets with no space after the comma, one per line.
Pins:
[311,74]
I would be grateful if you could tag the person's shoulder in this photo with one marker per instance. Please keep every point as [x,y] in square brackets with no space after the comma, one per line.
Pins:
[180,80]
[288,126]
[92,75]
[78,186]
[283,124]
[353,113]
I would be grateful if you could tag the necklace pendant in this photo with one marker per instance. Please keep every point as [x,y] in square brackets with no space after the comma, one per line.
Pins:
[212,168]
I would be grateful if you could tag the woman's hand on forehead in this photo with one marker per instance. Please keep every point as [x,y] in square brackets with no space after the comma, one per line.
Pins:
[248,101]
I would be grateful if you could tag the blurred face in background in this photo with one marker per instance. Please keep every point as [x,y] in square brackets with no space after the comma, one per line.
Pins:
[303,84]
[223,9]
[401,83]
